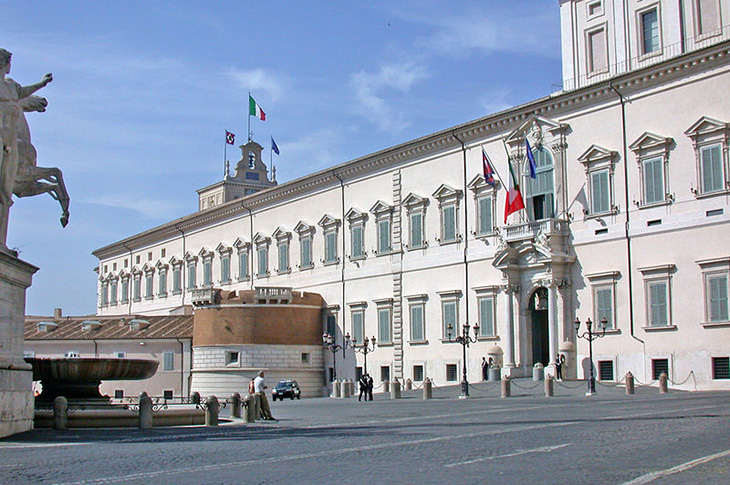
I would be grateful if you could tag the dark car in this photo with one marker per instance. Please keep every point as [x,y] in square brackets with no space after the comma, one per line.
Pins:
[286,388]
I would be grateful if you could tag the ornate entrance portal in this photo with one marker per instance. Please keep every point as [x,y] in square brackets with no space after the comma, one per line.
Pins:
[539,327]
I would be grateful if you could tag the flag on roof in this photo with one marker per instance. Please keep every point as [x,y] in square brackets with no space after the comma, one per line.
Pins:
[230,138]
[514,197]
[255,110]
[531,158]
[274,146]
[488,169]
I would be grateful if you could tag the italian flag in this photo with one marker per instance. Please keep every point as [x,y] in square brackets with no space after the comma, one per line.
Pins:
[514,198]
[255,110]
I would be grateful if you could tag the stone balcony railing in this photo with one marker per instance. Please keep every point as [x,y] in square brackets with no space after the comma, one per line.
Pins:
[532,230]
[273,293]
[203,296]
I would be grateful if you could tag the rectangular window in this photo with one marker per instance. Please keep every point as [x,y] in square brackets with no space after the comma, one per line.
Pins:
[283,257]
[191,277]
[418,333]
[232,357]
[167,394]
[713,178]
[104,294]
[486,316]
[357,246]
[658,303]
[605,370]
[176,279]
[385,373]
[416,235]
[653,180]
[721,367]
[263,257]
[162,282]
[168,361]
[148,285]
[448,230]
[384,236]
[417,373]
[449,317]
[243,265]
[225,268]
[659,367]
[708,17]
[384,326]
[306,358]
[600,195]
[113,293]
[486,223]
[650,31]
[305,250]
[118,393]
[717,292]
[207,273]
[451,373]
[137,288]
[331,325]
[597,52]
[125,291]
[358,326]
[330,249]
[603,303]
[118,355]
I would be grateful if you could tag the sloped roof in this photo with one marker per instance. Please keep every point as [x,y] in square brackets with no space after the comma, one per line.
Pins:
[114,327]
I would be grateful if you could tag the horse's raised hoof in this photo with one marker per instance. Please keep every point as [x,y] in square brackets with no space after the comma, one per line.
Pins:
[64,221]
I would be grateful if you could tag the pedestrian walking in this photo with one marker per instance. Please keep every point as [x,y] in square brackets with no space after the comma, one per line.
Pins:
[363,382]
[485,369]
[559,367]
[260,388]
[370,387]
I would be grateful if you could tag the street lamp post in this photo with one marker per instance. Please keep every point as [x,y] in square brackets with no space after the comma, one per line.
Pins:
[364,349]
[328,341]
[590,337]
[464,339]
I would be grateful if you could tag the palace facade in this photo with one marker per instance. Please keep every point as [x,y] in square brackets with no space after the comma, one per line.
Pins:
[627,222]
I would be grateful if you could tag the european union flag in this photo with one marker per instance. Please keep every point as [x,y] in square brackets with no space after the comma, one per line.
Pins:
[273,146]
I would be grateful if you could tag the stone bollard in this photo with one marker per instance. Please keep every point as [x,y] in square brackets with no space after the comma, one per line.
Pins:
[663,379]
[427,389]
[409,384]
[60,413]
[145,411]
[395,389]
[494,373]
[549,386]
[538,372]
[249,403]
[506,390]
[351,383]
[235,405]
[629,383]
[386,386]
[336,386]
[211,411]
[246,404]
[195,398]
[345,389]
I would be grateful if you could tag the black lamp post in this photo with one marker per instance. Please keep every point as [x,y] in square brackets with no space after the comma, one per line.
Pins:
[328,341]
[364,349]
[464,339]
[590,337]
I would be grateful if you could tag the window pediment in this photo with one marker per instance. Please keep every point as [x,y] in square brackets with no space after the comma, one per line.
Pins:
[136,271]
[328,222]
[205,253]
[649,142]
[596,154]
[381,208]
[302,228]
[260,239]
[355,216]
[478,185]
[161,265]
[446,193]
[706,126]
[240,244]
[281,234]
[174,261]
[222,248]
[535,128]
[190,257]
[413,201]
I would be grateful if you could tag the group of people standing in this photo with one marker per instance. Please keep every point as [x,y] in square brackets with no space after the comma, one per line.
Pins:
[366,387]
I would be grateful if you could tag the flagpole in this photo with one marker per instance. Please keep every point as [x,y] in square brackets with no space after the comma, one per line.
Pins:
[249,116]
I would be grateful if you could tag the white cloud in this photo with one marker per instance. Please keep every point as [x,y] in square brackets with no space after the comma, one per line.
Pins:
[148,207]
[258,80]
[372,90]
[496,100]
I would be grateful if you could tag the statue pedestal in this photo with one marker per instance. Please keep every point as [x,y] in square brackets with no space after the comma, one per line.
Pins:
[16,376]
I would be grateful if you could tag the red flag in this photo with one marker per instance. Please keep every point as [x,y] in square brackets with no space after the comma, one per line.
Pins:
[488,170]
[230,138]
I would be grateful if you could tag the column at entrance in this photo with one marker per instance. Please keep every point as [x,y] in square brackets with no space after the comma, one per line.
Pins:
[552,322]
[509,332]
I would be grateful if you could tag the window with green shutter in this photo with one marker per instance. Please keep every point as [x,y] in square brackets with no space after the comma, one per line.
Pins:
[713,177]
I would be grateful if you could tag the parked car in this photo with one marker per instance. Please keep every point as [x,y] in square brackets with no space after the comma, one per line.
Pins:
[286,388]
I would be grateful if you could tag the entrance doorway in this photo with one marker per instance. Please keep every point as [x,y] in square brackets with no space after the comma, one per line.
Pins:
[539,327]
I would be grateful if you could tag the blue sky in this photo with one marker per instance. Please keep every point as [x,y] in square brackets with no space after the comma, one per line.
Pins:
[143,92]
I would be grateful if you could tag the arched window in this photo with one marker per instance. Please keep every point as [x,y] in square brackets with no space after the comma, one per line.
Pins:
[541,190]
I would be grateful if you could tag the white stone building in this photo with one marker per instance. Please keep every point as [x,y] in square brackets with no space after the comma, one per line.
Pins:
[627,220]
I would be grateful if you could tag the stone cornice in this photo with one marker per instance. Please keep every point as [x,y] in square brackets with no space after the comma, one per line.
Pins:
[493,125]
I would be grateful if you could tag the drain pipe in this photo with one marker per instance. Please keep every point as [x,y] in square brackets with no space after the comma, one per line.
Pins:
[344,250]
[250,238]
[627,227]
[182,368]
[465,229]
[131,279]
[183,269]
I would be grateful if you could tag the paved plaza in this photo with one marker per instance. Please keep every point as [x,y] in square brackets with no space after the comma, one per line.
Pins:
[610,438]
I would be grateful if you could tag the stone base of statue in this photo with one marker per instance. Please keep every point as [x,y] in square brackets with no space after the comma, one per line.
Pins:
[16,376]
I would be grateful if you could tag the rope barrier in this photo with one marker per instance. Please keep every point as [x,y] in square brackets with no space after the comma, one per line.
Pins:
[691,374]
[525,388]
[562,384]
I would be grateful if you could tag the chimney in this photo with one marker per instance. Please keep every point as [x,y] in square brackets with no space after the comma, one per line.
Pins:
[57,313]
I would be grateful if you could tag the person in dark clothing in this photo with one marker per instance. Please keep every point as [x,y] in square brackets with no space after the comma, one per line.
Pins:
[363,387]
[559,367]
[485,369]
[370,388]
